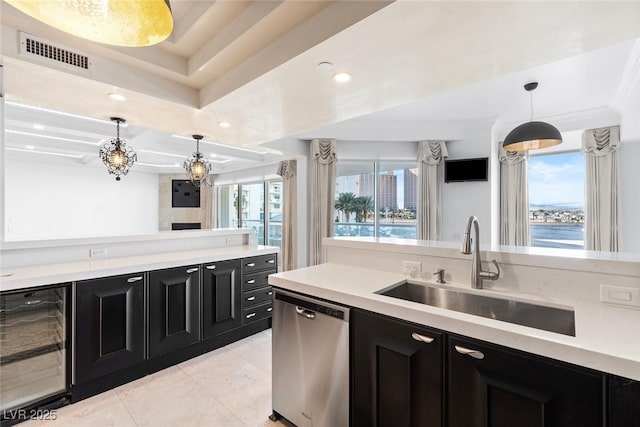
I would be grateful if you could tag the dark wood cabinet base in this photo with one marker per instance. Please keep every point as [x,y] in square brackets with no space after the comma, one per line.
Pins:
[107,382]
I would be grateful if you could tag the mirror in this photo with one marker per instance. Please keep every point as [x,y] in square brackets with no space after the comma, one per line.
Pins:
[56,186]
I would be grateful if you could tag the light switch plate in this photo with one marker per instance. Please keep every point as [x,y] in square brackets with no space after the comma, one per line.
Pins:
[98,252]
[620,295]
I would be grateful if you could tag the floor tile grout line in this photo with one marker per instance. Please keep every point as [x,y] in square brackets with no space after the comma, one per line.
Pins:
[125,407]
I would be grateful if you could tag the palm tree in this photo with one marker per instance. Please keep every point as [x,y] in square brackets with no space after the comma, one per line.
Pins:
[363,205]
[345,202]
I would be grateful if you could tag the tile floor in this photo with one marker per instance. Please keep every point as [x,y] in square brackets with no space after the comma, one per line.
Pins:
[230,386]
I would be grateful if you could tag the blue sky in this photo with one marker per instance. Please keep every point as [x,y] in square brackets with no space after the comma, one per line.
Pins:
[556,179]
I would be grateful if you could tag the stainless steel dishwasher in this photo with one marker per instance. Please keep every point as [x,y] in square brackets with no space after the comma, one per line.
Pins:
[310,361]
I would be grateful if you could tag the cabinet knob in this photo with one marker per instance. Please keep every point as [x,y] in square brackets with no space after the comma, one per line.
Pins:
[470,352]
[270,293]
[211,267]
[416,336]
[270,261]
[134,279]
[251,298]
[270,309]
[251,281]
[251,264]
[192,270]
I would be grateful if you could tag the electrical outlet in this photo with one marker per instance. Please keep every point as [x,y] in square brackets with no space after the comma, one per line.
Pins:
[98,252]
[412,268]
[620,295]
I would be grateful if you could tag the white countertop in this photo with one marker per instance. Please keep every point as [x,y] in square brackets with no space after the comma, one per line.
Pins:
[49,274]
[606,336]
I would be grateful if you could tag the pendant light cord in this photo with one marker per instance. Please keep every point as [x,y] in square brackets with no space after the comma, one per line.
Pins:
[531,104]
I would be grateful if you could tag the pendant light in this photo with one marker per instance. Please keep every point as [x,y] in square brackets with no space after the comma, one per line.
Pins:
[115,154]
[197,166]
[532,135]
[114,22]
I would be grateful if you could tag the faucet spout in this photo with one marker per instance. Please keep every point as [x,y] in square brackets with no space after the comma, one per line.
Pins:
[477,275]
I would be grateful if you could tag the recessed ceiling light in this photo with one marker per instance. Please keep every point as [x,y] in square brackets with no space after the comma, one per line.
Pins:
[29,147]
[117,97]
[38,126]
[224,124]
[342,77]
[325,66]
[213,155]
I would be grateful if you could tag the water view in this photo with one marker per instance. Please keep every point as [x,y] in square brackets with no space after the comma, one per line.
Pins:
[554,235]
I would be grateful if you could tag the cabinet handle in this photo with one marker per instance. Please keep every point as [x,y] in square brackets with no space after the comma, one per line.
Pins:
[270,293]
[251,298]
[134,279]
[469,352]
[306,313]
[270,261]
[270,308]
[211,267]
[251,264]
[250,282]
[249,316]
[192,270]
[422,338]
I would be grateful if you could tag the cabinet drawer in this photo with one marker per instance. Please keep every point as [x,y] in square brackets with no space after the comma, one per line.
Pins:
[257,313]
[257,280]
[258,296]
[258,263]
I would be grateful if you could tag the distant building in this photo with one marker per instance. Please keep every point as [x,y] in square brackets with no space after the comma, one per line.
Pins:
[411,189]
[388,191]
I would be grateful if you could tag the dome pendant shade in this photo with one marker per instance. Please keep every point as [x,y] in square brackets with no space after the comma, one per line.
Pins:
[113,22]
[531,136]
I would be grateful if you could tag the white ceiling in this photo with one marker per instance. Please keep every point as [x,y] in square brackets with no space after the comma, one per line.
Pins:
[414,63]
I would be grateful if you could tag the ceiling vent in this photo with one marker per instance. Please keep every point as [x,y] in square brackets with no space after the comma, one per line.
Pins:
[45,51]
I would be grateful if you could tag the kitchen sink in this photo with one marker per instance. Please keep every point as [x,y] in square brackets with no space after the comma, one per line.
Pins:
[552,319]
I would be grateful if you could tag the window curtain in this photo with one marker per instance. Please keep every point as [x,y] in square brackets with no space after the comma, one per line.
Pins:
[600,148]
[288,171]
[323,188]
[429,217]
[514,198]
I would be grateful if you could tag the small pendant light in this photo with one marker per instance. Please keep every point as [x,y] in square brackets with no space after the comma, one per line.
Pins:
[115,154]
[197,166]
[532,135]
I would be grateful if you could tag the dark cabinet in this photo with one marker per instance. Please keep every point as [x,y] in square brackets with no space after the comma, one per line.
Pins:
[109,323]
[257,295]
[498,387]
[397,373]
[624,402]
[221,297]
[174,309]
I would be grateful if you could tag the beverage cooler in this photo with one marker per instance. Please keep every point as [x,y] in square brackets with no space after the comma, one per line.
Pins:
[34,350]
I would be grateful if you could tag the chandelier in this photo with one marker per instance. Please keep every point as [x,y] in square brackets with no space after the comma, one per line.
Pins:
[115,154]
[197,166]
[114,22]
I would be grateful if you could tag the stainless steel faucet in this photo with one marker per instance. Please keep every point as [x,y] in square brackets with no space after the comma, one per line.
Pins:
[477,275]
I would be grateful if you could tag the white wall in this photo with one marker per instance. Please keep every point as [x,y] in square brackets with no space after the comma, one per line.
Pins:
[68,200]
[460,200]
[629,157]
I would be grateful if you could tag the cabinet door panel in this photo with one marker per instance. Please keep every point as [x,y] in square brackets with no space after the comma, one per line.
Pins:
[174,309]
[221,295]
[397,380]
[505,388]
[109,324]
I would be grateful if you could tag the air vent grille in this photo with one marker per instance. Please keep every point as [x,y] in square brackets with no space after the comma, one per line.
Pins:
[32,46]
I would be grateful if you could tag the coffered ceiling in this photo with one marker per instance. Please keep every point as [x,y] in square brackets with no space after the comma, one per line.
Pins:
[254,64]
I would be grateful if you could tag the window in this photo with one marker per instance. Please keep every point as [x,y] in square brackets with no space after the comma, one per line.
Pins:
[243,206]
[556,200]
[357,184]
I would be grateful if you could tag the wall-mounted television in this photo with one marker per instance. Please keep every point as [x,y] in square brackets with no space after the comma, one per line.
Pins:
[460,170]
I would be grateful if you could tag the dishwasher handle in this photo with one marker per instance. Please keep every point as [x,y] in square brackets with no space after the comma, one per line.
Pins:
[305,313]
